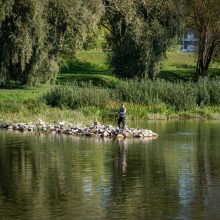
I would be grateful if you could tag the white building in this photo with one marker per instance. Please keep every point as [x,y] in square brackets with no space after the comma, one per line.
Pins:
[189,41]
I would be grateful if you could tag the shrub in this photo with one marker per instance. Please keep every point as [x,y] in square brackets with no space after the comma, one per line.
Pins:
[203,86]
[12,107]
[157,95]
[139,92]
[75,96]
[214,91]
[180,96]
[59,96]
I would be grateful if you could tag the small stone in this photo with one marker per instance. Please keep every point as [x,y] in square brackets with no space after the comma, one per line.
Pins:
[75,131]
[104,134]
[101,130]
[59,130]
[120,136]
[21,129]
[15,127]
[41,122]
[61,123]
[137,135]
[69,133]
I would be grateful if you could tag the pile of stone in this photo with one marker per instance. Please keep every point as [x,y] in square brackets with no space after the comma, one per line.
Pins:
[93,130]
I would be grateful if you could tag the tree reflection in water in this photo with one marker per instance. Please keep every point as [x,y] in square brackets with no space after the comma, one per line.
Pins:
[177,176]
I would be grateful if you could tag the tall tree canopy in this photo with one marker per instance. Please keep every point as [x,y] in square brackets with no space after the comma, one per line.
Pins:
[34,33]
[204,17]
[140,32]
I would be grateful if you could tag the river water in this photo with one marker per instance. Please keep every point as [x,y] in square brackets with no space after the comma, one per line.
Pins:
[176,176]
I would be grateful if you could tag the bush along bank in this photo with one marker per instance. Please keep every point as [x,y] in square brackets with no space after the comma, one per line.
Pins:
[94,130]
[143,97]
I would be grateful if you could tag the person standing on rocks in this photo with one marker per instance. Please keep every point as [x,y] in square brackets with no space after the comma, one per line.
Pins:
[121,116]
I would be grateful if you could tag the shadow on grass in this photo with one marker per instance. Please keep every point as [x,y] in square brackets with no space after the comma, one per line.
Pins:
[186,73]
[13,86]
[76,66]
[214,72]
[95,80]
[177,75]
[183,66]
[76,70]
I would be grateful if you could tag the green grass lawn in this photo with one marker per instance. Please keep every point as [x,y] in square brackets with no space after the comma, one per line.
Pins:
[87,66]
[22,94]
[179,65]
[92,66]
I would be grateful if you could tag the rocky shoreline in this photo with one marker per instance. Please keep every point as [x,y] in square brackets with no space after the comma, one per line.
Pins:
[94,130]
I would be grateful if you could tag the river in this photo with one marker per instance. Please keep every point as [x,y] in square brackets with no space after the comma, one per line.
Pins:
[176,176]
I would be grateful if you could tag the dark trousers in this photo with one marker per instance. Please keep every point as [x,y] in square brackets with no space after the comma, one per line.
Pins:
[121,122]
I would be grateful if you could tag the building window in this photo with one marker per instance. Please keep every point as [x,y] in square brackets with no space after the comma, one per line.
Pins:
[185,36]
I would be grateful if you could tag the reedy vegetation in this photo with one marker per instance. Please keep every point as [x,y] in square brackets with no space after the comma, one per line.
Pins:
[143,99]
[163,95]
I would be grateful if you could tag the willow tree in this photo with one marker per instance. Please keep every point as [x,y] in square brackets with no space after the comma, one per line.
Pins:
[139,34]
[204,17]
[34,34]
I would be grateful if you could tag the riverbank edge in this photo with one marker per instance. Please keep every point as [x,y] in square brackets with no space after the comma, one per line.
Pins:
[174,116]
[52,115]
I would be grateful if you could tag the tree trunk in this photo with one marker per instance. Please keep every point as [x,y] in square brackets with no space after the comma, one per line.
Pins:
[205,54]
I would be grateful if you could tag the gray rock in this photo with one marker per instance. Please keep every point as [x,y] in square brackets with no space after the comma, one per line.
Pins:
[94,130]
[10,127]
[15,127]
[138,135]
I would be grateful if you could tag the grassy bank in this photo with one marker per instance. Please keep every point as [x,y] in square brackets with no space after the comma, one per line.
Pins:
[181,66]
[100,94]
[92,66]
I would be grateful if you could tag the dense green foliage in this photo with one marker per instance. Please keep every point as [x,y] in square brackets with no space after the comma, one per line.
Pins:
[176,96]
[75,96]
[34,33]
[139,34]
[179,96]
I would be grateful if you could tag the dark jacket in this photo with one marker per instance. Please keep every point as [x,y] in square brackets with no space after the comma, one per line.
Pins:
[121,112]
